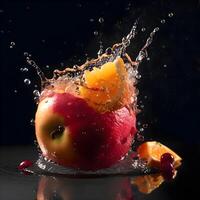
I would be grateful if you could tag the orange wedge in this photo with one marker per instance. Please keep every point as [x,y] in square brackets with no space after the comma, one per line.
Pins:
[152,152]
[106,88]
[148,183]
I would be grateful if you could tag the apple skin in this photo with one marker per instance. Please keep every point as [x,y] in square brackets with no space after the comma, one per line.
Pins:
[88,140]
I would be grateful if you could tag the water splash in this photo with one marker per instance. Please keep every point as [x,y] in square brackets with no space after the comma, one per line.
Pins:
[38,70]
[143,52]
[71,78]
[126,166]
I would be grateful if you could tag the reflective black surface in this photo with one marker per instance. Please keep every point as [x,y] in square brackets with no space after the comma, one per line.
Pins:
[14,185]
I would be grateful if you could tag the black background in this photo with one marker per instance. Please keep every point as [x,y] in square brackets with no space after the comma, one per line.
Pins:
[60,33]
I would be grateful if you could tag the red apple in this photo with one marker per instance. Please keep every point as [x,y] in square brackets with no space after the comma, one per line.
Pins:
[73,134]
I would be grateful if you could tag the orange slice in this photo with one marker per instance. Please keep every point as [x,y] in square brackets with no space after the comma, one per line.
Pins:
[106,88]
[148,183]
[152,152]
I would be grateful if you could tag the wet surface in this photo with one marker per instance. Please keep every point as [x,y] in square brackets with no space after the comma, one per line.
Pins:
[14,185]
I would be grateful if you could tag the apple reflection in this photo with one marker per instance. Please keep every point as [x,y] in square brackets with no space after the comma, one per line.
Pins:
[59,188]
[111,188]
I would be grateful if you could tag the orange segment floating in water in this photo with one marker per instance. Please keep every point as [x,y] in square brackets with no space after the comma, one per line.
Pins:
[152,152]
[106,88]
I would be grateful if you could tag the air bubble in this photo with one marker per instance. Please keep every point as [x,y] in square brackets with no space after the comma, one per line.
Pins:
[91,20]
[162,21]
[164,65]
[15,91]
[101,20]
[27,81]
[170,14]
[47,66]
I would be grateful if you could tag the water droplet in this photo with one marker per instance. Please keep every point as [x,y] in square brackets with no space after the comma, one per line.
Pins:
[138,76]
[148,59]
[12,44]
[36,93]
[145,125]
[96,33]
[15,91]
[162,21]
[25,53]
[35,86]
[91,20]
[142,106]
[24,69]
[139,123]
[156,29]
[164,65]
[141,129]
[170,14]
[101,20]
[27,81]
[143,29]
[32,122]
[36,99]
[47,66]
